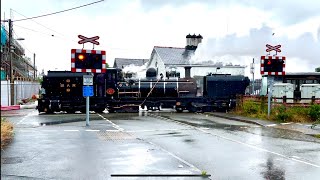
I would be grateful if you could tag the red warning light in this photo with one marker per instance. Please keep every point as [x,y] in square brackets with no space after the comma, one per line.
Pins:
[269,62]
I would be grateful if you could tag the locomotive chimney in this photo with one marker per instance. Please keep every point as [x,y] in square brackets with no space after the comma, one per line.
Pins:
[187,71]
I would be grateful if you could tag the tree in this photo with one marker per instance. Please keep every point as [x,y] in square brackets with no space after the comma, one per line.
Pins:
[318,69]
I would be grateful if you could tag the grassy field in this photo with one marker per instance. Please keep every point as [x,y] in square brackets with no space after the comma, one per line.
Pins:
[6,132]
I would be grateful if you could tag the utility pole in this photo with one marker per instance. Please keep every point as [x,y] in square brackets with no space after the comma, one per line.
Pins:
[34,66]
[12,99]
[252,71]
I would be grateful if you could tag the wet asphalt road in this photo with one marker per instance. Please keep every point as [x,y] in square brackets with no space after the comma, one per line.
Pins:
[155,144]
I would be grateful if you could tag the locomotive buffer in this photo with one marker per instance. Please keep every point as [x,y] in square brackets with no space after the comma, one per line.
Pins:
[87,92]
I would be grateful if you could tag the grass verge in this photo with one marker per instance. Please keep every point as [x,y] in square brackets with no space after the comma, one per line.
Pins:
[280,113]
[6,132]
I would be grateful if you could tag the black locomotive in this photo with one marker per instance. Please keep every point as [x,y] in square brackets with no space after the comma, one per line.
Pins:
[62,91]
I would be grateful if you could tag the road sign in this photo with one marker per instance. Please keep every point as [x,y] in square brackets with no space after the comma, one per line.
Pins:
[87,91]
[87,80]
[83,60]
[86,39]
[273,48]
[273,65]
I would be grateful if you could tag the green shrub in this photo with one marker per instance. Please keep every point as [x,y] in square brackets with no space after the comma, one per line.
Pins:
[314,112]
[282,114]
[250,107]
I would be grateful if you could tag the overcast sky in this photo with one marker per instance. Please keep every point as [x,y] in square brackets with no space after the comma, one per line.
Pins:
[234,30]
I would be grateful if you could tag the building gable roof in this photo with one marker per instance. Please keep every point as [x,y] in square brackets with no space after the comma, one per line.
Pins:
[174,55]
[123,62]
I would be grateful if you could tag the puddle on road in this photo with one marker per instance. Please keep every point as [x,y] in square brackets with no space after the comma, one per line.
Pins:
[261,131]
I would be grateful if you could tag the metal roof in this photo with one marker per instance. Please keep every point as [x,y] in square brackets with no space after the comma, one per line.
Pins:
[302,73]
[123,62]
[174,55]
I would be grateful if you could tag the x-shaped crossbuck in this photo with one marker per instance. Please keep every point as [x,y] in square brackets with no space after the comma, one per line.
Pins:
[86,39]
[273,48]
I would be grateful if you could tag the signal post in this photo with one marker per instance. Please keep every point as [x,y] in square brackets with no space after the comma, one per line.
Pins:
[90,62]
[272,66]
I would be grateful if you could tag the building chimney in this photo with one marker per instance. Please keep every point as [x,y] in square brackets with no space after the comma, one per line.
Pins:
[193,41]
[187,71]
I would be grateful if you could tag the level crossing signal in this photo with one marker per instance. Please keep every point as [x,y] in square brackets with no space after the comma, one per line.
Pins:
[273,65]
[88,61]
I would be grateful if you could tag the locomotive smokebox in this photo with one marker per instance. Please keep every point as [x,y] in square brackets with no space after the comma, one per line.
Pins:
[187,71]
[151,73]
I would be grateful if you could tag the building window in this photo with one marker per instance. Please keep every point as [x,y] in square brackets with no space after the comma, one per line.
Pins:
[172,74]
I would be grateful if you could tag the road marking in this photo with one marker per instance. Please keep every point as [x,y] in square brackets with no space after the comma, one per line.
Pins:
[70,130]
[92,130]
[256,126]
[113,124]
[111,130]
[49,130]
[25,117]
[171,154]
[270,125]
[155,130]
[299,123]
[261,149]
[296,157]
[248,145]
[286,123]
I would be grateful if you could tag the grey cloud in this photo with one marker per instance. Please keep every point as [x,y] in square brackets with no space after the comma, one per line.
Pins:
[305,47]
[286,11]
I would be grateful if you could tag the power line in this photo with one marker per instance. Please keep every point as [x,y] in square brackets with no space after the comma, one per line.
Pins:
[59,11]
[38,23]
[47,34]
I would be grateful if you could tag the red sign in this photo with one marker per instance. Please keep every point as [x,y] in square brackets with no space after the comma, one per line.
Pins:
[86,39]
[273,48]
[273,65]
[83,60]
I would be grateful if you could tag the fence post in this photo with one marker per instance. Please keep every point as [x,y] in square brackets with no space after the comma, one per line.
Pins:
[313,99]
[237,102]
[284,99]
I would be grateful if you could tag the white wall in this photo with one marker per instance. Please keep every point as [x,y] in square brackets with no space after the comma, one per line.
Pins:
[22,89]
[205,70]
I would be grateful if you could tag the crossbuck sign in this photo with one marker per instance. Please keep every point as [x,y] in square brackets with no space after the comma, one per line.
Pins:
[86,39]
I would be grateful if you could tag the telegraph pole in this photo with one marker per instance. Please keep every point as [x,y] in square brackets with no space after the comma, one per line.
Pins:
[34,66]
[11,64]
[252,72]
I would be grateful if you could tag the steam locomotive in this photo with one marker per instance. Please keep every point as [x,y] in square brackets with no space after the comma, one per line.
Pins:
[62,91]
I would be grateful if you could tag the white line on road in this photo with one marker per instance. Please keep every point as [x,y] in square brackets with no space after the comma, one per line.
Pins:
[261,149]
[299,123]
[92,130]
[286,123]
[111,130]
[185,162]
[24,118]
[70,130]
[296,157]
[155,130]
[248,145]
[113,124]
[270,125]
[49,130]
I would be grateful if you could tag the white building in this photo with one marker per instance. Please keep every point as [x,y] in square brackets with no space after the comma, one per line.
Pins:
[170,61]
